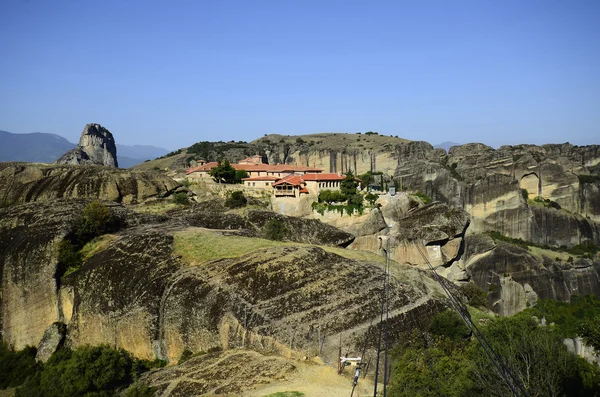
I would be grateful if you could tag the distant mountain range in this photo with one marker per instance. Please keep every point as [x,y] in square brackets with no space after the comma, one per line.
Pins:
[446,145]
[40,147]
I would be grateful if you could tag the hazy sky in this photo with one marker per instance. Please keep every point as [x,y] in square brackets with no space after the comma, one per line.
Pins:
[171,73]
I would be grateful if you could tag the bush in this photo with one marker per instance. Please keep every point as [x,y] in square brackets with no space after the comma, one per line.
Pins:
[181,198]
[371,198]
[449,324]
[87,371]
[525,194]
[423,197]
[16,366]
[236,200]
[274,229]
[139,390]
[331,196]
[355,200]
[96,220]
[475,296]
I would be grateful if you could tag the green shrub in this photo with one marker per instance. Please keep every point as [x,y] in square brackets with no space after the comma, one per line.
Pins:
[475,296]
[525,194]
[274,229]
[96,220]
[87,371]
[236,200]
[355,200]
[448,324]
[16,366]
[371,198]
[331,196]
[181,198]
[423,197]
[139,390]
[69,257]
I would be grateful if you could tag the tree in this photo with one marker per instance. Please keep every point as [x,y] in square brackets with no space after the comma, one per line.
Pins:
[349,185]
[331,196]
[239,175]
[223,172]
[366,179]
[236,199]
[371,198]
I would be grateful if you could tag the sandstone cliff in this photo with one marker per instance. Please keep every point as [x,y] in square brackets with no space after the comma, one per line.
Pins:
[96,146]
[23,182]
[140,293]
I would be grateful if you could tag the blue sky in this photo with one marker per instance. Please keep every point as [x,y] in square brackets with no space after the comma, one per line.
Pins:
[171,73]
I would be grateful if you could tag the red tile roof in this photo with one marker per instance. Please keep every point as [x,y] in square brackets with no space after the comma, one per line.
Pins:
[295,180]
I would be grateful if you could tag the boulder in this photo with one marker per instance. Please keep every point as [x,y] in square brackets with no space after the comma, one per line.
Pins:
[53,339]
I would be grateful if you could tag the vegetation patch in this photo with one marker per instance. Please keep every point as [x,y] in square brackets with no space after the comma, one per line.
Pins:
[16,366]
[198,246]
[98,371]
[96,220]
[546,203]
[446,360]
[423,197]
[274,229]
[236,199]
[286,394]
[347,199]
[586,250]
[181,198]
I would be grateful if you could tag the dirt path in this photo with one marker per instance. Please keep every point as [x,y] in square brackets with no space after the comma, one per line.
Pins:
[317,380]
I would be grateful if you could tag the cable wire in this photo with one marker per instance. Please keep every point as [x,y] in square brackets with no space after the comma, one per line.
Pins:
[512,381]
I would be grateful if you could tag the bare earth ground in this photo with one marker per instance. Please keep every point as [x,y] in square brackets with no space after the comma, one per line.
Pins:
[317,380]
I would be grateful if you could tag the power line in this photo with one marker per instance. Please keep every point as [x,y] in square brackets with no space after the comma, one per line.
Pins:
[512,381]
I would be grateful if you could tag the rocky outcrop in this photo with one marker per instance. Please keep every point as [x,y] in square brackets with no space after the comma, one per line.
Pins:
[516,278]
[23,182]
[96,146]
[135,293]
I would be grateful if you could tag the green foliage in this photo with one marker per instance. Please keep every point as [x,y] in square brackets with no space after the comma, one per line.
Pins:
[212,151]
[497,236]
[589,329]
[366,179]
[371,198]
[286,394]
[239,175]
[525,194]
[300,141]
[371,133]
[568,316]
[423,197]
[181,198]
[274,229]
[139,390]
[476,297]
[185,355]
[341,209]
[589,178]
[535,354]
[448,324]
[95,221]
[331,196]
[546,202]
[349,185]
[223,172]
[586,249]
[87,371]
[16,366]
[355,200]
[236,200]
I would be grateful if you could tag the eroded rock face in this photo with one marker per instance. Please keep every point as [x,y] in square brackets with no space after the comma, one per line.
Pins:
[135,294]
[516,278]
[23,182]
[96,146]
